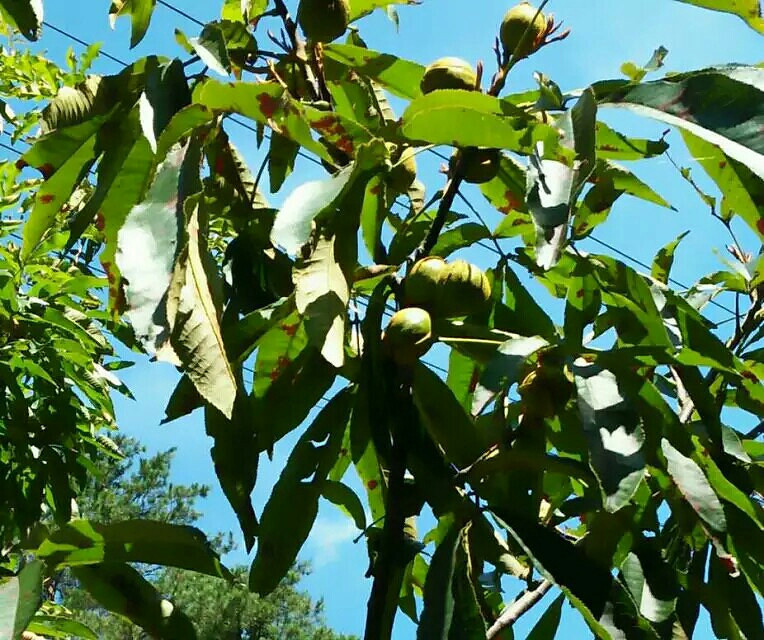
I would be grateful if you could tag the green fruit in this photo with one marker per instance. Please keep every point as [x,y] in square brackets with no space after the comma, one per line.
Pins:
[463,290]
[403,172]
[520,19]
[409,335]
[323,20]
[421,285]
[448,73]
[480,165]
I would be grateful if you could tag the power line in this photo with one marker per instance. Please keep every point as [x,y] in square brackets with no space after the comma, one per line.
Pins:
[180,12]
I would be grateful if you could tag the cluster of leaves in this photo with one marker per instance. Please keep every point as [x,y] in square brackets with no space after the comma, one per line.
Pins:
[597,452]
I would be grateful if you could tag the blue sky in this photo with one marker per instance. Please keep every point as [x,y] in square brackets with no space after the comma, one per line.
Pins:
[605,34]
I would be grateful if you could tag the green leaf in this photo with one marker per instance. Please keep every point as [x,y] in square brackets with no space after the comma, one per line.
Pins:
[298,385]
[147,244]
[447,423]
[648,578]
[553,186]
[583,303]
[438,611]
[549,622]
[321,296]
[615,146]
[79,145]
[140,15]
[361,8]
[236,456]
[400,77]
[748,10]
[289,514]
[243,10]
[471,119]
[742,190]
[613,433]
[281,157]
[82,542]
[60,627]
[460,237]
[293,223]
[520,312]
[345,498]
[266,103]
[664,259]
[20,597]
[373,215]
[196,336]
[694,486]
[122,590]
[692,101]
[25,15]
[210,46]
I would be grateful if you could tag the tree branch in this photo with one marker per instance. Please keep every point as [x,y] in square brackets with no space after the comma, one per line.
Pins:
[513,612]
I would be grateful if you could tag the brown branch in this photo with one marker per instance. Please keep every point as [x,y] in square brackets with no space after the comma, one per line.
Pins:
[513,612]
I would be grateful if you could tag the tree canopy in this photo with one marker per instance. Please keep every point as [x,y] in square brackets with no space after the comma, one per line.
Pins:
[610,452]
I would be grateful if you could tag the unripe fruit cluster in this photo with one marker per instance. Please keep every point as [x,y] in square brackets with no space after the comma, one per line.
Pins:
[437,288]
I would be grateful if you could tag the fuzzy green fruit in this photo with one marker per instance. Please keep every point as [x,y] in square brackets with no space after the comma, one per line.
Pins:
[448,73]
[463,290]
[403,172]
[420,286]
[480,165]
[409,335]
[519,19]
[323,20]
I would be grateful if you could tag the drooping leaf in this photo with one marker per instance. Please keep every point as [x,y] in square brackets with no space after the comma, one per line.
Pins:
[20,597]
[344,497]
[503,370]
[401,77]
[82,542]
[123,590]
[438,611]
[694,486]
[79,145]
[719,105]
[742,190]
[60,627]
[140,15]
[147,244]
[196,337]
[748,10]
[549,622]
[613,433]
[281,157]
[236,456]
[292,226]
[293,505]
[26,15]
[321,296]
[664,260]
[553,186]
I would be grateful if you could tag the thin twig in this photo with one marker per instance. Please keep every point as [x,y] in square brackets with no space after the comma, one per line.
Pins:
[513,612]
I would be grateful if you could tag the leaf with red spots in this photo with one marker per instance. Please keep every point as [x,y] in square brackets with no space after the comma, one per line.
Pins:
[720,105]
[283,342]
[292,507]
[80,141]
[742,190]
[266,103]
[583,302]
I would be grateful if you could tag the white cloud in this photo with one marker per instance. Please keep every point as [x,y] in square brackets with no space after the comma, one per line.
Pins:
[326,538]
